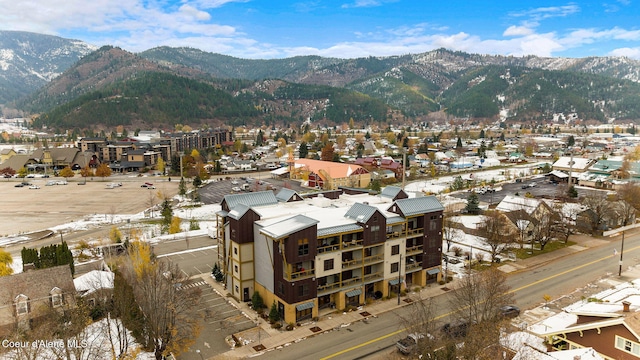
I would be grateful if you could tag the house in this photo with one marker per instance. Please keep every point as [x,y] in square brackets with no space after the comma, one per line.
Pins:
[573,165]
[27,296]
[330,175]
[322,252]
[95,287]
[608,322]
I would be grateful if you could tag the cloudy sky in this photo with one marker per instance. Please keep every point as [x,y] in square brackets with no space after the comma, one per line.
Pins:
[262,29]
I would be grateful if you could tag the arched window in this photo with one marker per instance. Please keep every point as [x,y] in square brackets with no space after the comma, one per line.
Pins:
[22,304]
[56,297]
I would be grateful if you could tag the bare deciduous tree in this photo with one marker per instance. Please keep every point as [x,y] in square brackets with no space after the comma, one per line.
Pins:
[171,321]
[496,232]
[600,206]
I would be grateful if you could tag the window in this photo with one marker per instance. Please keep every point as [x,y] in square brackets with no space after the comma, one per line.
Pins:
[303,290]
[395,250]
[303,247]
[433,225]
[56,297]
[235,268]
[627,345]
[235,250]
[22,304]
[394,267]
[328,264]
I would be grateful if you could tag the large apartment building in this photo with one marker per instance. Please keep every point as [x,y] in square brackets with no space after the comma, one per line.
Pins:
[308,254]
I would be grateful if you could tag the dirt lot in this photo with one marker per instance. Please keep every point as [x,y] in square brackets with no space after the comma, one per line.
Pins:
[26,210]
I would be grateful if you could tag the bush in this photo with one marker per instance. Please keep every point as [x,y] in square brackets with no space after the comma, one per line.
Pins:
[290,326]
[456,250]
[276,325]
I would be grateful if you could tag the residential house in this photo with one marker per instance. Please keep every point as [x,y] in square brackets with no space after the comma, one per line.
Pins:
[5,154]
[573,165]
[27,296]
[95,287]
[315,253]
[330,175]
[608,322]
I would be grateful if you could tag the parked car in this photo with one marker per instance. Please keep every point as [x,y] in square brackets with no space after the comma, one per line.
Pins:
[147,184]
[234,182]
[34,187]
[236,189]
[61,182]
[456,329]
[509,311]
[19,185]
[408,344]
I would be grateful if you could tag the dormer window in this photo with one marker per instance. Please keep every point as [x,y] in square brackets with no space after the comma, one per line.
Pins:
[56,297]
[22,304]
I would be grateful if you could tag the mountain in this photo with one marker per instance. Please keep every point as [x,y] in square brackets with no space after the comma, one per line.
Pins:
[310,88]
[28,61]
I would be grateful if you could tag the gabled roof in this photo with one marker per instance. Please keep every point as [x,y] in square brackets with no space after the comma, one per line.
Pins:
[417,205]
[259,198]
[238,212]
[333,169]
[289,226]
[285,195]
[35,284]
[390,192]
[360,212]
[93,281]
[513,203]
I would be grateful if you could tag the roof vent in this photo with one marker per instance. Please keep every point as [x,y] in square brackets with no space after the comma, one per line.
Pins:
[625,306]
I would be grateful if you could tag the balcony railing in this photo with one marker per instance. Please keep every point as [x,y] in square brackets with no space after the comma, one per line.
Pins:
[352,281]
[323,289]
[373,277]
[411,266]
[351,263]
[414,232]
[414,250]
[328,248]
[351,244]
[373,259]
[307,273]
[407,233]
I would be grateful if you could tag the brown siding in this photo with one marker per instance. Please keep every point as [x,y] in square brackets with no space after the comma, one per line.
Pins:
[432,245]
[291,289]
[241,231]
[604,343]
[370,237]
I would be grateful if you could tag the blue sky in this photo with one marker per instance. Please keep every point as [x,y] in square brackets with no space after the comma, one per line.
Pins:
[263,29]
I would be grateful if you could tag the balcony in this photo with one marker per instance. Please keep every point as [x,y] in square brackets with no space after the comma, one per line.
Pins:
[352,281]
[369,278]
[415,232]
[414,250]
[373,259]
[328,248]
[328,288]
[351,263]
[413,266]
[351,244]
[303,274]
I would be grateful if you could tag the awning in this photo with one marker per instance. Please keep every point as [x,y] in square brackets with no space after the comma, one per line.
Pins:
[433,271]
[354,292]
[305,306]
[394,282]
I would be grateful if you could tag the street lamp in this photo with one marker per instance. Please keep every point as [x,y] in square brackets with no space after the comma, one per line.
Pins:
[199,353]
[621,252]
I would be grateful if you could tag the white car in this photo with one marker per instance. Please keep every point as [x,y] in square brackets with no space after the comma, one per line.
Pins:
[234,182]
[236,189]
[61,182]
[34,187]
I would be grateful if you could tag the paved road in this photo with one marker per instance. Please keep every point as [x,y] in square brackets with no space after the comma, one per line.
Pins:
[374,340]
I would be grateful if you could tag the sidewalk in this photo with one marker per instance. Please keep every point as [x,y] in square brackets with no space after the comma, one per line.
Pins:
[270,338]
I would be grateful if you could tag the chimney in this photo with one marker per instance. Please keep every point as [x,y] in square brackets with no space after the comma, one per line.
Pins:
[625,306]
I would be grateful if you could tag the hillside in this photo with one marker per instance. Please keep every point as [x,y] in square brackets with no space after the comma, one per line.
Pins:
[28,61]
[326,90]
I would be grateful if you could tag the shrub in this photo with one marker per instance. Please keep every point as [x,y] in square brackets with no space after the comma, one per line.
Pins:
[276,325]
[456,250]
[290,326]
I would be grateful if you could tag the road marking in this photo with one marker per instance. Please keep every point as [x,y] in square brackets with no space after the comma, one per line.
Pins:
[447,314]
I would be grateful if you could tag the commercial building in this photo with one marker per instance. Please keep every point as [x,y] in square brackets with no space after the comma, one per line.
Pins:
[315,252]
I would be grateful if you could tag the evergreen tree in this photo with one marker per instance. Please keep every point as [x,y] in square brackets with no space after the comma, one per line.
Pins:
[182,188]
[256,301]
[274,315]
[572,192]
[459,143]
[303,150]
[482,134]
[197,182]
[571,141]
[473,204]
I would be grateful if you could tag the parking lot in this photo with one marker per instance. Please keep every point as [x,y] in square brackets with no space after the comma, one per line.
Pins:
[218,187]
[539,187]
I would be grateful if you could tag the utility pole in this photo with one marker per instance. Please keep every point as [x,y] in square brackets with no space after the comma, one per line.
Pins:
[399,273]
[621,253]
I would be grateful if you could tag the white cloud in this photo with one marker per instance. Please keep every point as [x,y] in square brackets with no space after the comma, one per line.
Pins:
[517,31]
[366,3]
[542,13]
[633,53]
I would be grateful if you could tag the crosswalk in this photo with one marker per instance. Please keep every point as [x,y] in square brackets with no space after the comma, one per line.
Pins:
[192,285]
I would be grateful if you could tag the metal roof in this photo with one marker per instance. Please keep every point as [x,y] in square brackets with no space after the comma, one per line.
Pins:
[354,292]
[285,194]
[390,192]
[360,212]
[259,198]
[339,229]
[419,205]
[238,212]
[289,226]
[305,306]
